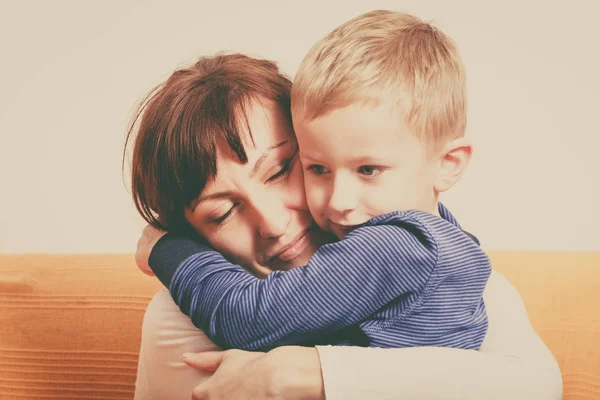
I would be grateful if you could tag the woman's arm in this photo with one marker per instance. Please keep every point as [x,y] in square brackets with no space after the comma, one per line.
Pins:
[513,364]
[166,335]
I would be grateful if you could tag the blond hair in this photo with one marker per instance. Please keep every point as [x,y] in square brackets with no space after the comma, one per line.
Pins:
[386,55]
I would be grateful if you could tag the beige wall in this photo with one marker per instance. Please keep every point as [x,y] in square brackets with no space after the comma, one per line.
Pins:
[71,73]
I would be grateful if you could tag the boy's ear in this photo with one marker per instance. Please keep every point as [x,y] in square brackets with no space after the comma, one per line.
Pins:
[454,158]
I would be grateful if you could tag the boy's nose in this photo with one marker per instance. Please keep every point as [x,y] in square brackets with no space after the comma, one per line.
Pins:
[343,197]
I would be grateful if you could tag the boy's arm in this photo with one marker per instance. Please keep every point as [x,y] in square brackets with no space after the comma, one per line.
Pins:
[512,364]
[342,284]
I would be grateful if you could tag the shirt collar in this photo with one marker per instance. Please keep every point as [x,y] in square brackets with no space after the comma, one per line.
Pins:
[447,215]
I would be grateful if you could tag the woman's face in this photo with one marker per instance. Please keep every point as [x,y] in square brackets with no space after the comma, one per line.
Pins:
[255,213]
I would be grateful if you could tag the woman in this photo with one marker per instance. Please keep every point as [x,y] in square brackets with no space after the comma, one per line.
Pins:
[215,155]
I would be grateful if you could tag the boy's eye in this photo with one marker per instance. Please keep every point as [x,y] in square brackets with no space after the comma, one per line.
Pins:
[317,169]
[369,170]
[284,168]
[224,217]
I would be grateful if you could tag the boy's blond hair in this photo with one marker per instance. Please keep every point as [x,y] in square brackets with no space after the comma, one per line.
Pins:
[381,56]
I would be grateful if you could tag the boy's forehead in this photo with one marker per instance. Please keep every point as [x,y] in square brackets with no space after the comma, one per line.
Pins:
[358,120]
[358,133]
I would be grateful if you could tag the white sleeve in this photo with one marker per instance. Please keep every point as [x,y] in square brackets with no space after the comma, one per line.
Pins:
[513,363]
[166,334]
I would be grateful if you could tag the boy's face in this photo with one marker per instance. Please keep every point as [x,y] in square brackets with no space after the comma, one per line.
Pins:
[360,162]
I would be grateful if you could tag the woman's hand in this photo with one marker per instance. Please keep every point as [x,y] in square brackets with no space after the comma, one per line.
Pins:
[145,244]
[286,373]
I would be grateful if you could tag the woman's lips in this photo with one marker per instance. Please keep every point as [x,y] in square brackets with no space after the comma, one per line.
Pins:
[295,247]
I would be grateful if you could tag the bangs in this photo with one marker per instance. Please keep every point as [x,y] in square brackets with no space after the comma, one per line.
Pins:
[180,124]
[206,117]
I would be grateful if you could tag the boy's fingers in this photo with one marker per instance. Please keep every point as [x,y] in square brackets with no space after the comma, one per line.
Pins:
[207,361]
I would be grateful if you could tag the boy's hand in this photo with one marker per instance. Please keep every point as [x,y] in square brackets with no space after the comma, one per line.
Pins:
[145,244]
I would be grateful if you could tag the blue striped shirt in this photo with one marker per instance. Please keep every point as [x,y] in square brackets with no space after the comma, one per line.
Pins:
[403,279]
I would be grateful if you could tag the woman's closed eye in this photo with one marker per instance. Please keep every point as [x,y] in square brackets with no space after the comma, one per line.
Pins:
[284,168]
[224,217]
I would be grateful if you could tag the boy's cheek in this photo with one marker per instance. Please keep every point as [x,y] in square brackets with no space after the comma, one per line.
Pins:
[384,198]
[316,200]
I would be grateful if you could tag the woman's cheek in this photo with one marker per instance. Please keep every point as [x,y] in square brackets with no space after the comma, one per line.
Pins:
[234,241]
[292,192]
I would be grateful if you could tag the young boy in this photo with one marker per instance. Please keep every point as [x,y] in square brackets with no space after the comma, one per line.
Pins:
[379,110]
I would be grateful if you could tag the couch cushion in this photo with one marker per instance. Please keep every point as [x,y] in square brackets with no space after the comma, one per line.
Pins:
[70,325]
[561,291]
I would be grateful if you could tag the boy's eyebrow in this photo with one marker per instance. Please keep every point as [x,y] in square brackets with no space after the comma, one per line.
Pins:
[227,193]
[354,160]
[303,154]
[367,160]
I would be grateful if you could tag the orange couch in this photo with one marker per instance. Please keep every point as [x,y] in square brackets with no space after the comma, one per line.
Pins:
[70,324]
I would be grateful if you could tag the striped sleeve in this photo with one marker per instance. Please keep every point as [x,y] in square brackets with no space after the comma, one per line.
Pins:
[343,283]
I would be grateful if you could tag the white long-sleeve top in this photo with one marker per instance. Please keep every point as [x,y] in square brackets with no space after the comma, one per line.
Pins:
[512,363]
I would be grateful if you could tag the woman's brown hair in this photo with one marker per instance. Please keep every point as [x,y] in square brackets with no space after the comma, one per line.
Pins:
[174,151]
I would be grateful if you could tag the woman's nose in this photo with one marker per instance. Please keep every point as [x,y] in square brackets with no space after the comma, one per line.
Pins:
[273,217]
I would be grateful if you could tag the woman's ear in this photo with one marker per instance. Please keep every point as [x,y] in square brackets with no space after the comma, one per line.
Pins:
[454,158]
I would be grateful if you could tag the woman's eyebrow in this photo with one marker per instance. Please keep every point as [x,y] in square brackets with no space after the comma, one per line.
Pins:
[212,196]
[264,156]
[219,195]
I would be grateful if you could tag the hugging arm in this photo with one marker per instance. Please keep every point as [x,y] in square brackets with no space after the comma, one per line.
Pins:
[343,283]
[512,364]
